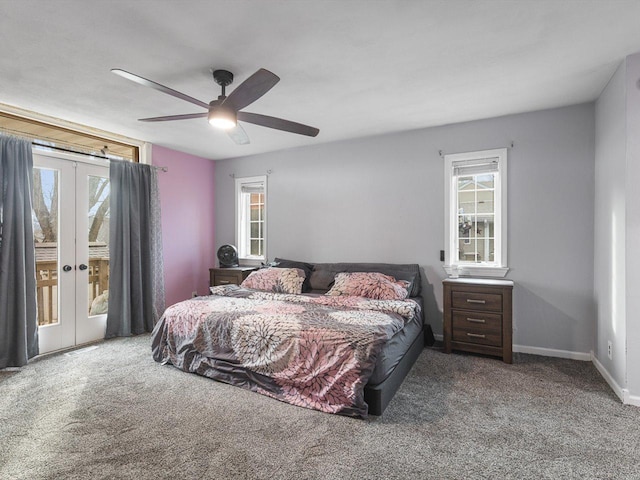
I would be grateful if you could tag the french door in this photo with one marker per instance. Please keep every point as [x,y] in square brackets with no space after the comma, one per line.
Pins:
[71,232]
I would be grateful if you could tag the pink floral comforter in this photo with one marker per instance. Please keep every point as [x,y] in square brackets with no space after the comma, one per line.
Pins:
[313,351]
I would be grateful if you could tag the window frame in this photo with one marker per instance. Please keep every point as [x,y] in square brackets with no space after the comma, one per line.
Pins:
[499,267]
[37,121]
[242,258]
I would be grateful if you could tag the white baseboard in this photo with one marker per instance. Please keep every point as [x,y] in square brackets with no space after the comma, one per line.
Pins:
[552,352]
[545,352]
[622,393]
[631,399]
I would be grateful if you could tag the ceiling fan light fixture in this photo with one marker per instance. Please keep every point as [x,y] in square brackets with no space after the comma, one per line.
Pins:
[223,113]
[222,117]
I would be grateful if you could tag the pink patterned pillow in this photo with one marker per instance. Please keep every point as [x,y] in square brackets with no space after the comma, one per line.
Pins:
[279,280]
[370,285]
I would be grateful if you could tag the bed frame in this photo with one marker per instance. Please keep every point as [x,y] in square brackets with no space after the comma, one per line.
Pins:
[322,274]
[379,396]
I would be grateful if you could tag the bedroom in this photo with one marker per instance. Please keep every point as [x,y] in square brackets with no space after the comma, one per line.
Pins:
[377,194]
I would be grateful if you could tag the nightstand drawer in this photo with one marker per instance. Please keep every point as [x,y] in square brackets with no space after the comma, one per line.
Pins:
[226,280]
[489,302]
[476,327]
[229,275]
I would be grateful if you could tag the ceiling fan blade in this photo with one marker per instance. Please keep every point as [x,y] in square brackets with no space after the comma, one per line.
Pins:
[156,86]
[278,124]
[186,116]
[252,89]
[238,135]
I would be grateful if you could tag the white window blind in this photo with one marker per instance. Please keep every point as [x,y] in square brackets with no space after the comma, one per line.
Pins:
[252,187]
[475,167]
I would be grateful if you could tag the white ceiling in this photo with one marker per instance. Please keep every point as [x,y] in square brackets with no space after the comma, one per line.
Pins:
[352,68]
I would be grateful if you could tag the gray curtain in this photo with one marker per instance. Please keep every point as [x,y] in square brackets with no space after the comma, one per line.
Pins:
[136,285]
[18,312]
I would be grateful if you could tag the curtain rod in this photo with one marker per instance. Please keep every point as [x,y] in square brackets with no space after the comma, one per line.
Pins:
[511,145]
[164,169]
[233,175]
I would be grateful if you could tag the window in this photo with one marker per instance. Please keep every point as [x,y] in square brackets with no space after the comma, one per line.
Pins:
[72,139]
[251,218]
[476,212]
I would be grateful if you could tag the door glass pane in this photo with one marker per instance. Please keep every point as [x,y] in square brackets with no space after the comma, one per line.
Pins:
[45,232]
[98,233]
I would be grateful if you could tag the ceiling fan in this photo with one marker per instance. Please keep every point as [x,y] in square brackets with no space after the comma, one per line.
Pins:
[225,112]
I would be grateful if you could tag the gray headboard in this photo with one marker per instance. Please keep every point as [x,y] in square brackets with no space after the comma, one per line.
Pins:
[322,274]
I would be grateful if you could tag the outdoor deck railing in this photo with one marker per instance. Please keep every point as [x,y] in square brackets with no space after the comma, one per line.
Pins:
[47,286]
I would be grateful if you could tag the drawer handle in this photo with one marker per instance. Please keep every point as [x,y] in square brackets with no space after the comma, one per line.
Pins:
[224,282]
[476,335]
[471,300]
[476,320]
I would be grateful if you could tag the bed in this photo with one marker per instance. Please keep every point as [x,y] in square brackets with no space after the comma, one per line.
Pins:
[334,352]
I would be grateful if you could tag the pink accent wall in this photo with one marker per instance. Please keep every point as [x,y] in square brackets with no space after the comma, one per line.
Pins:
[188,232]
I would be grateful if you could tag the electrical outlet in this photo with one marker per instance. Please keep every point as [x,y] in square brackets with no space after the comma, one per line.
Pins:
[610,350]
[194,294]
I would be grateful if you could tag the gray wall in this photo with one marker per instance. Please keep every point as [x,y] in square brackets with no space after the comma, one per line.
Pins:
[617,220]
[610,203]
[633,225]
[380,199]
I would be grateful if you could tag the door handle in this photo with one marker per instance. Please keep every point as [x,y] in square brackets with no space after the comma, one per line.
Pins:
[67,268]
[82,266]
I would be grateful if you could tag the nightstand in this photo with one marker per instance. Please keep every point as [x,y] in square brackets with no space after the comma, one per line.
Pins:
[478,316]
[228,276]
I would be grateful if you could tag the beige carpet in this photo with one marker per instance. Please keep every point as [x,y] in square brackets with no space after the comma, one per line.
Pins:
[112,413]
